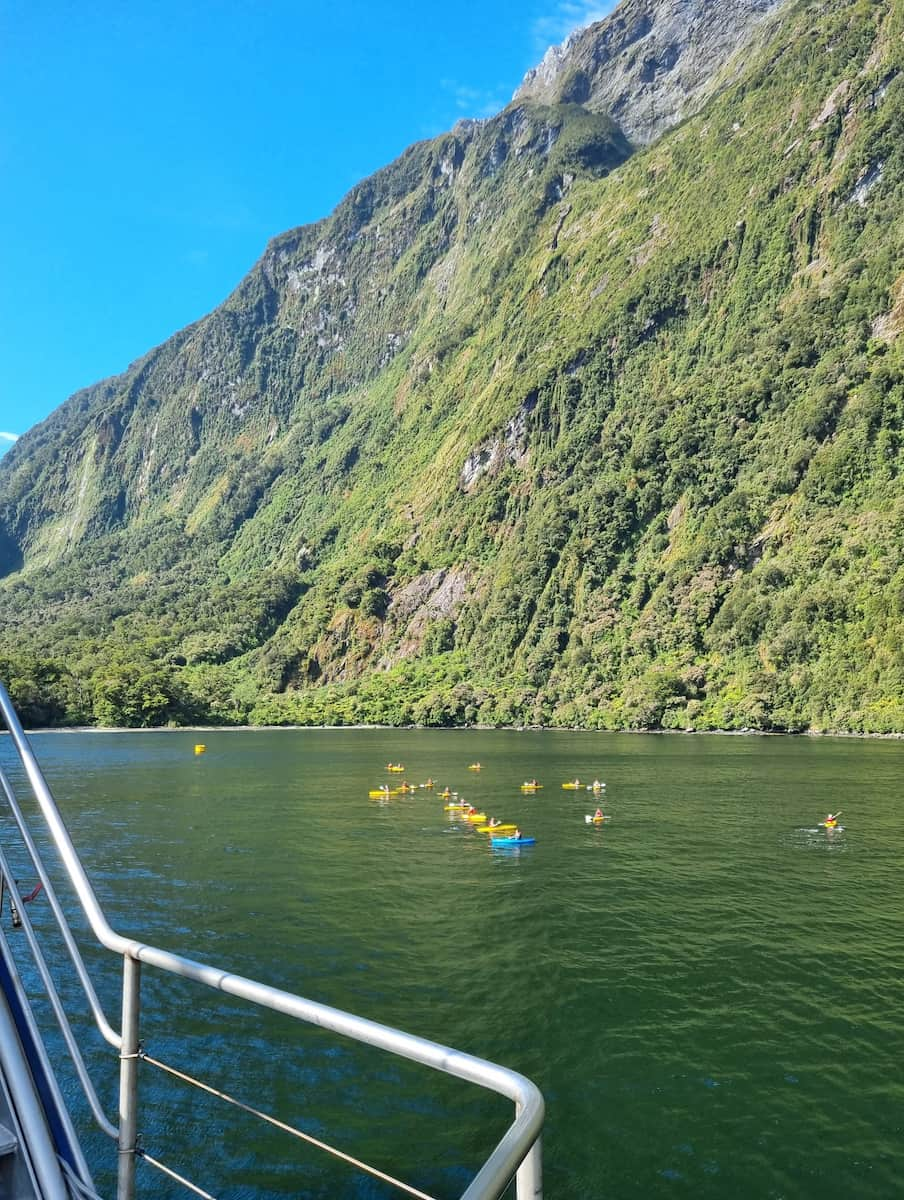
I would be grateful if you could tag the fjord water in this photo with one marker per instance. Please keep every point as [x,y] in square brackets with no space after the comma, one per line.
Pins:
[707,989]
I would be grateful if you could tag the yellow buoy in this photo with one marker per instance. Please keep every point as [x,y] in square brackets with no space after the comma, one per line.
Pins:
[200,748]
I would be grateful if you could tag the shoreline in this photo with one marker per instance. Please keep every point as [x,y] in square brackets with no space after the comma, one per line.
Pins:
[811,733]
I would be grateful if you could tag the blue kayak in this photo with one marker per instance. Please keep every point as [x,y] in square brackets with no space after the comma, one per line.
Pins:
[510,841]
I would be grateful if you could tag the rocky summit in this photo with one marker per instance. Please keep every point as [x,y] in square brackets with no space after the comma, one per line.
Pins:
[649,65]
[589,414]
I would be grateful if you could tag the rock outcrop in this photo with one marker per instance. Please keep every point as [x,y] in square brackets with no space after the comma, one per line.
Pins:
[647,66]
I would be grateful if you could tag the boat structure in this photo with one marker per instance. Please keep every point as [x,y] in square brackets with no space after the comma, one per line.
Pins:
[49,1145]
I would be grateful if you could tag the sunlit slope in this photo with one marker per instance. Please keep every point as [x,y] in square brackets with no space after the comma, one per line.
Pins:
[531,429]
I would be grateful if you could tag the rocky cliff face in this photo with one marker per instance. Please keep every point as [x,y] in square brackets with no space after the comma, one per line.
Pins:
[648,65]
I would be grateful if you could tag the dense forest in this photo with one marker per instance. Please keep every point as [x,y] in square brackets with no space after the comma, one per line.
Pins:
[538,427]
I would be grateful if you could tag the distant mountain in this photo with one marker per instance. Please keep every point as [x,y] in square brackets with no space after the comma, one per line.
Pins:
[588,414]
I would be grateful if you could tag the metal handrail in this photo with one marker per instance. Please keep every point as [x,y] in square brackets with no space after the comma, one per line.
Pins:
[109,1034]
[28,1073]
[58,1010]
[517,1154]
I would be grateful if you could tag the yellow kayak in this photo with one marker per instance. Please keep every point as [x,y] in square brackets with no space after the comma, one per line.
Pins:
[573,786]
[394,767]
[496,828]
[474,767]
[379,793]
[476,817]
[455,807]
[531,787]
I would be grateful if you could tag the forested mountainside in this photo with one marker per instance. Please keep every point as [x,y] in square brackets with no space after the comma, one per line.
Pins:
[541,425]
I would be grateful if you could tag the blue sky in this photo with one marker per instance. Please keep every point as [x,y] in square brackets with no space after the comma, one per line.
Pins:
[148,151]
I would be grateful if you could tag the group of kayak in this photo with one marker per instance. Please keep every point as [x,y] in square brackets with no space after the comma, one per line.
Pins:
[504,833]
[501,833]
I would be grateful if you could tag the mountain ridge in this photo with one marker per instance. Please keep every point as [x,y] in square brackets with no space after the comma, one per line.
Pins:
[647,66]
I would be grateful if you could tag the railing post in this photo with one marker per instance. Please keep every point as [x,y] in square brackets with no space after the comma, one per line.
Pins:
[529,1177]
[128,1078]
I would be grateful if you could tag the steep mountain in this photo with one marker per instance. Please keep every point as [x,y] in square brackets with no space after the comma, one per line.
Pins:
[542,424]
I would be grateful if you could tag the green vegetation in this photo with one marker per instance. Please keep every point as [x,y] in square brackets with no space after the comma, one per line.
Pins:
[530,430]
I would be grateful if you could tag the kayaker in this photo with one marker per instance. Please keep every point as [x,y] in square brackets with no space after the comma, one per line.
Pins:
[516,836]
[831,818]
[598,815]
[494,822]
[471,809]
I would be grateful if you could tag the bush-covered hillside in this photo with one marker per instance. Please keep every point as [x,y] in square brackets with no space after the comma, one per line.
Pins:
[532,429]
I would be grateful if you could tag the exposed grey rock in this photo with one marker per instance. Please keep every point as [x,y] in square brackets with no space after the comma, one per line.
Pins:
[508,447]
[433,596]
[834,101]
[648,65]
[867,181]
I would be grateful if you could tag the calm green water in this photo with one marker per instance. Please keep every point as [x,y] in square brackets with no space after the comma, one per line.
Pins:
[708,989]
